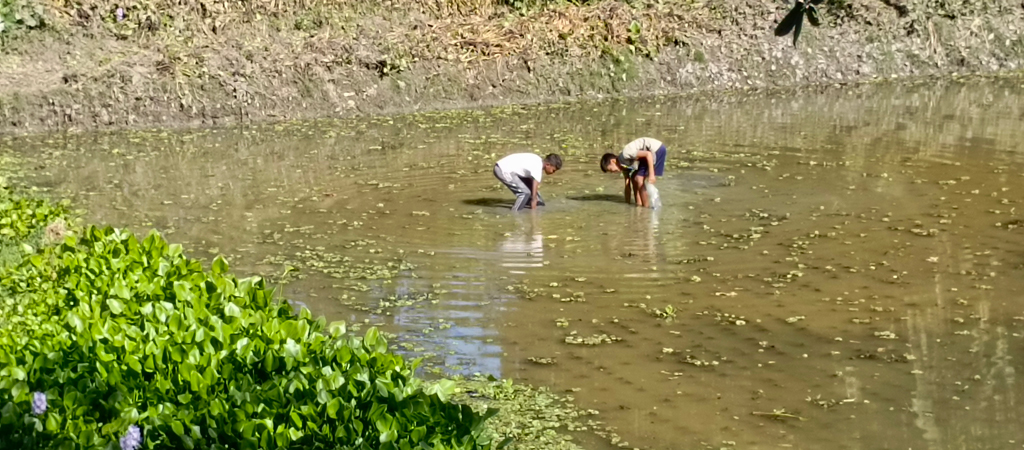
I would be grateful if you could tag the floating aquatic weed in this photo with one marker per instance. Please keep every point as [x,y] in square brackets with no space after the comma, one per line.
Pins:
[885,335]
[885,355]
[534,418]
[542,361]
[692,360]
[394,301]
[778,414]
[691,260]
[596,339]
[576,297]
[920,231]
[524,290]
[1011,225]
[668,313]
[725,318]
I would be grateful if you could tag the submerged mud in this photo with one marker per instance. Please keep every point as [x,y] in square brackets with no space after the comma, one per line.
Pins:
[836,268]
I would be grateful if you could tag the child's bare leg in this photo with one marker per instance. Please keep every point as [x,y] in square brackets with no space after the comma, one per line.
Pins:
[640,188]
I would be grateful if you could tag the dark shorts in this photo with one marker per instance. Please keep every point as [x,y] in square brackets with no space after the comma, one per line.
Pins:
[659,164]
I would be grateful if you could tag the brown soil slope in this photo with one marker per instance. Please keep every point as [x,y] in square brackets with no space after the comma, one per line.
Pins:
[214,62]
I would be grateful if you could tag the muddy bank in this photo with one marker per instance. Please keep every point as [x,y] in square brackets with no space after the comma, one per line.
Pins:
[207,64]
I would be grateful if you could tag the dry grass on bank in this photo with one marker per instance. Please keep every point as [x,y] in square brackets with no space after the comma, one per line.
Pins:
[444,29]
[199,38]
[215,57]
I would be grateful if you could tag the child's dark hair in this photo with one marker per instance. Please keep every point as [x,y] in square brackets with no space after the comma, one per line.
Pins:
[606,161]
[554,160]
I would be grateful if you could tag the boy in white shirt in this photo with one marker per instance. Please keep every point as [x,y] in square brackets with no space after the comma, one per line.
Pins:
[640,162]
[522,172]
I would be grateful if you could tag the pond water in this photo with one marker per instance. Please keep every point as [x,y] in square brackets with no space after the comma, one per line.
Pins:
[833,268]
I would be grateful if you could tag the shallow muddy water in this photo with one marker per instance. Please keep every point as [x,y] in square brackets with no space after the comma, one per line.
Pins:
[833,268]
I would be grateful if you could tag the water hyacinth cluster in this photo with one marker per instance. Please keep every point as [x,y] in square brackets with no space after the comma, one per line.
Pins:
[24,216]
[138,336]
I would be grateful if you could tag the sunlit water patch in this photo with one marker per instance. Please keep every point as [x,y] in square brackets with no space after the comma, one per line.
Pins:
[834,268]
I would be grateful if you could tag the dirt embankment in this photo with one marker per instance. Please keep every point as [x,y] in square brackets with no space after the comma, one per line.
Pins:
[101,64]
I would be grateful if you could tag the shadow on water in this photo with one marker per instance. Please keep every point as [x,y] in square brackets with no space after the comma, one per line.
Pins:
[597,198]
[489,202]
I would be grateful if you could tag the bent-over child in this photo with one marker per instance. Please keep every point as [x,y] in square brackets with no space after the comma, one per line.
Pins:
[640,162]
[522,173]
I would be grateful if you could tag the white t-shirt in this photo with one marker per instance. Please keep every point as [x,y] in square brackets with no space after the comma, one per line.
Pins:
[524,165]
[629,152]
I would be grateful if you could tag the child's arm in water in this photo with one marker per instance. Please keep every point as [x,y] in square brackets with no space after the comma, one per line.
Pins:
[627,190]
[533,193]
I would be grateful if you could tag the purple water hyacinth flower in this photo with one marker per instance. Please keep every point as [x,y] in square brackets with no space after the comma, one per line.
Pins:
[132,440]
[38,403]
[119,14]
